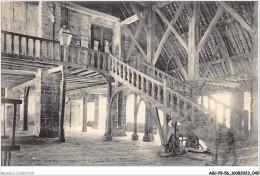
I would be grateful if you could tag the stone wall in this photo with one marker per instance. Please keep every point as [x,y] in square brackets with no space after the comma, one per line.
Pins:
[47,97]
[20,17]
[9,108]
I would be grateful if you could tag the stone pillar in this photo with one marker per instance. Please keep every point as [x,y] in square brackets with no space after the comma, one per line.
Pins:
[96,111]
[135,135]
[148,137]
[47,99]
[25,108]
[108,133]
[85,107]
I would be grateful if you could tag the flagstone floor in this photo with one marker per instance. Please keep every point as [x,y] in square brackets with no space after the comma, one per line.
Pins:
[89,149]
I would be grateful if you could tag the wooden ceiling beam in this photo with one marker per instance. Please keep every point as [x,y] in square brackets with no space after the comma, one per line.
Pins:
[83,77]
[243,23]
[55,70]
[29,83]
[129,20]
[219,82]
[167,32]
[76,71]
[18,72]
[88,88]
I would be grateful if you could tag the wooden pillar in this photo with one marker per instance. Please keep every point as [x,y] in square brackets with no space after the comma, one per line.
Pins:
[108,133]
[254,102]
[14,125]
[245,120]
[96,112]
[148,137]
[193,34]
[70,115]
[62,104]
[25,108]
[237,107]
[135,135]
[85,110]
[151,35]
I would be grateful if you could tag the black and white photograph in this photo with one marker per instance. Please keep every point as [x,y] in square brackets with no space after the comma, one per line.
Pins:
[129,83]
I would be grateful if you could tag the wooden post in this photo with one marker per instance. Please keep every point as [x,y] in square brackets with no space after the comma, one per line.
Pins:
[151,35]
[70,113]
[96,112]
[108,133]
[85,106]
[14,125]
[25,108]
[193,55]
[4,118]
[62,104]
[135,135]
[147,136]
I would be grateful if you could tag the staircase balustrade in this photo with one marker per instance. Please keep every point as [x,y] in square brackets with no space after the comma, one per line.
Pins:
[166,91]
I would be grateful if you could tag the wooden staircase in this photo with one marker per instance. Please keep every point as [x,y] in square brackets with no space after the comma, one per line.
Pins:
[163,91]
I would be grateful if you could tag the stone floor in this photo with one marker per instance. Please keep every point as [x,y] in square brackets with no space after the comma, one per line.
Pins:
[89,149]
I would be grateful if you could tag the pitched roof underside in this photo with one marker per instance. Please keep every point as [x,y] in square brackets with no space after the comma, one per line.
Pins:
[238,41]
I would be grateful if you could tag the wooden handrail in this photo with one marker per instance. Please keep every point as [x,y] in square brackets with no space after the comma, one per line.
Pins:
[28,36]
[190,101]
[187,85]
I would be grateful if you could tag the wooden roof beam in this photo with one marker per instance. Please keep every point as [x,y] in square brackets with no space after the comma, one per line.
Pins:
[177,35]
[243,23]
[240,56]
[219,82]
[136,42]
[209,64]
[137,33]
[161,4]
[167,33]
[141,16]
[129,20]
[210,28]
